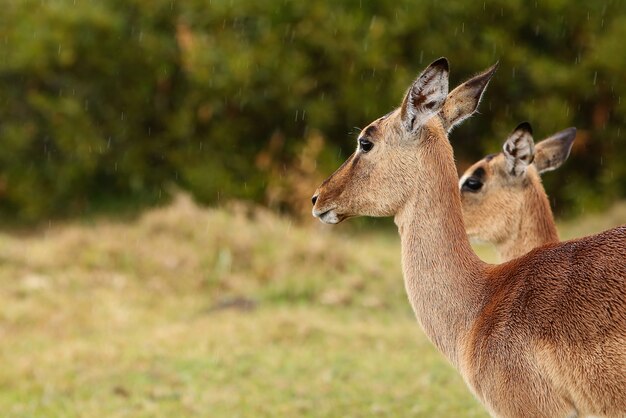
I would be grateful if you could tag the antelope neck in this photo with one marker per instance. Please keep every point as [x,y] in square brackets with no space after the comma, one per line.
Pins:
[443,277]
[536,225]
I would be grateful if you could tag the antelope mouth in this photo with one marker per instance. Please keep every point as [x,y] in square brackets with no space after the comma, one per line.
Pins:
[328,217]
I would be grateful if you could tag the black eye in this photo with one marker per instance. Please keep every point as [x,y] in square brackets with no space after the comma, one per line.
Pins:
[472,184]
[365,144]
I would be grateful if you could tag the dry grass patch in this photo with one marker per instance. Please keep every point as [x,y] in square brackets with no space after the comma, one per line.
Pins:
[231,312]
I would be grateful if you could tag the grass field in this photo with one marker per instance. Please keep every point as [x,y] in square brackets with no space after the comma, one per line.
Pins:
[191,312]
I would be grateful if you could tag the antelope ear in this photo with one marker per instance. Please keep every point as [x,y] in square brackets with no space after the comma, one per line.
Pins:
[426,96]
[519,149]
[553,151]
[463,101]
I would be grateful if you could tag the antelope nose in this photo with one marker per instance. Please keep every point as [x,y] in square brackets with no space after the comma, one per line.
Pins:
[314,199]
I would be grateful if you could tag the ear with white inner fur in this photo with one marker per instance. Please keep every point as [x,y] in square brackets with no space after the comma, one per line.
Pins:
[426,95]
[553,151]
[519,149]
[463,101]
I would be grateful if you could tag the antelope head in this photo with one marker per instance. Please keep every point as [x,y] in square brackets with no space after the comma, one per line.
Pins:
[387,166]
[502,189]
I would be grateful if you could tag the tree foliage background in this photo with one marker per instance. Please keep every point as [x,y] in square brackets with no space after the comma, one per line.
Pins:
[118,100]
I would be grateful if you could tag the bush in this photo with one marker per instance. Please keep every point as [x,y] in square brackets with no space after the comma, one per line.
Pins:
[116,100]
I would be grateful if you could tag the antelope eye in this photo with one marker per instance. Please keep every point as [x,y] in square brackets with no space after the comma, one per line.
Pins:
[365,144]
[472,184]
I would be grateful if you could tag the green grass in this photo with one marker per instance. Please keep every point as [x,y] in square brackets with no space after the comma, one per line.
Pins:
[232,312]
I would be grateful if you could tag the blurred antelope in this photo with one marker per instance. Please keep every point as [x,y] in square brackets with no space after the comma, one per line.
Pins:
[543,335]
[503,200]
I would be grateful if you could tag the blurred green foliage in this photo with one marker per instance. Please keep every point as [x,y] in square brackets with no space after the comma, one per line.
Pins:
[119,99]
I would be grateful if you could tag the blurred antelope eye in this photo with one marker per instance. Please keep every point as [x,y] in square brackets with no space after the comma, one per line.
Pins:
[365,145]
[472,184]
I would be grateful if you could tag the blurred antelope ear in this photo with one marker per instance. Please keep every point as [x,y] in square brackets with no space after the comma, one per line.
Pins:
[426,96]
[463,101]
[553,151]
[519,149]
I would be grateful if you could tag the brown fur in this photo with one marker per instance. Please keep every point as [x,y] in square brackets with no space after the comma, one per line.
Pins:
[563,337]
[540,336]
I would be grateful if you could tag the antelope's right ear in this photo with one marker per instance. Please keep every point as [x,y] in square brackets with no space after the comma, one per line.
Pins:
[553,151]
[519,149]
[426,96]
[463,101]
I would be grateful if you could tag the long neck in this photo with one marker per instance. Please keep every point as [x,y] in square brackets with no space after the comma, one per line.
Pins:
[536,225]
[443,277]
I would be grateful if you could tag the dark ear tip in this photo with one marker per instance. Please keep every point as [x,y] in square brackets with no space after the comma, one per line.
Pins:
[441,63]
[569,134]
[484,77]
[524,126]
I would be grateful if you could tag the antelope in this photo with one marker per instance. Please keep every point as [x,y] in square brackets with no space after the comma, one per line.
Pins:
[543,335]
[502,198]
